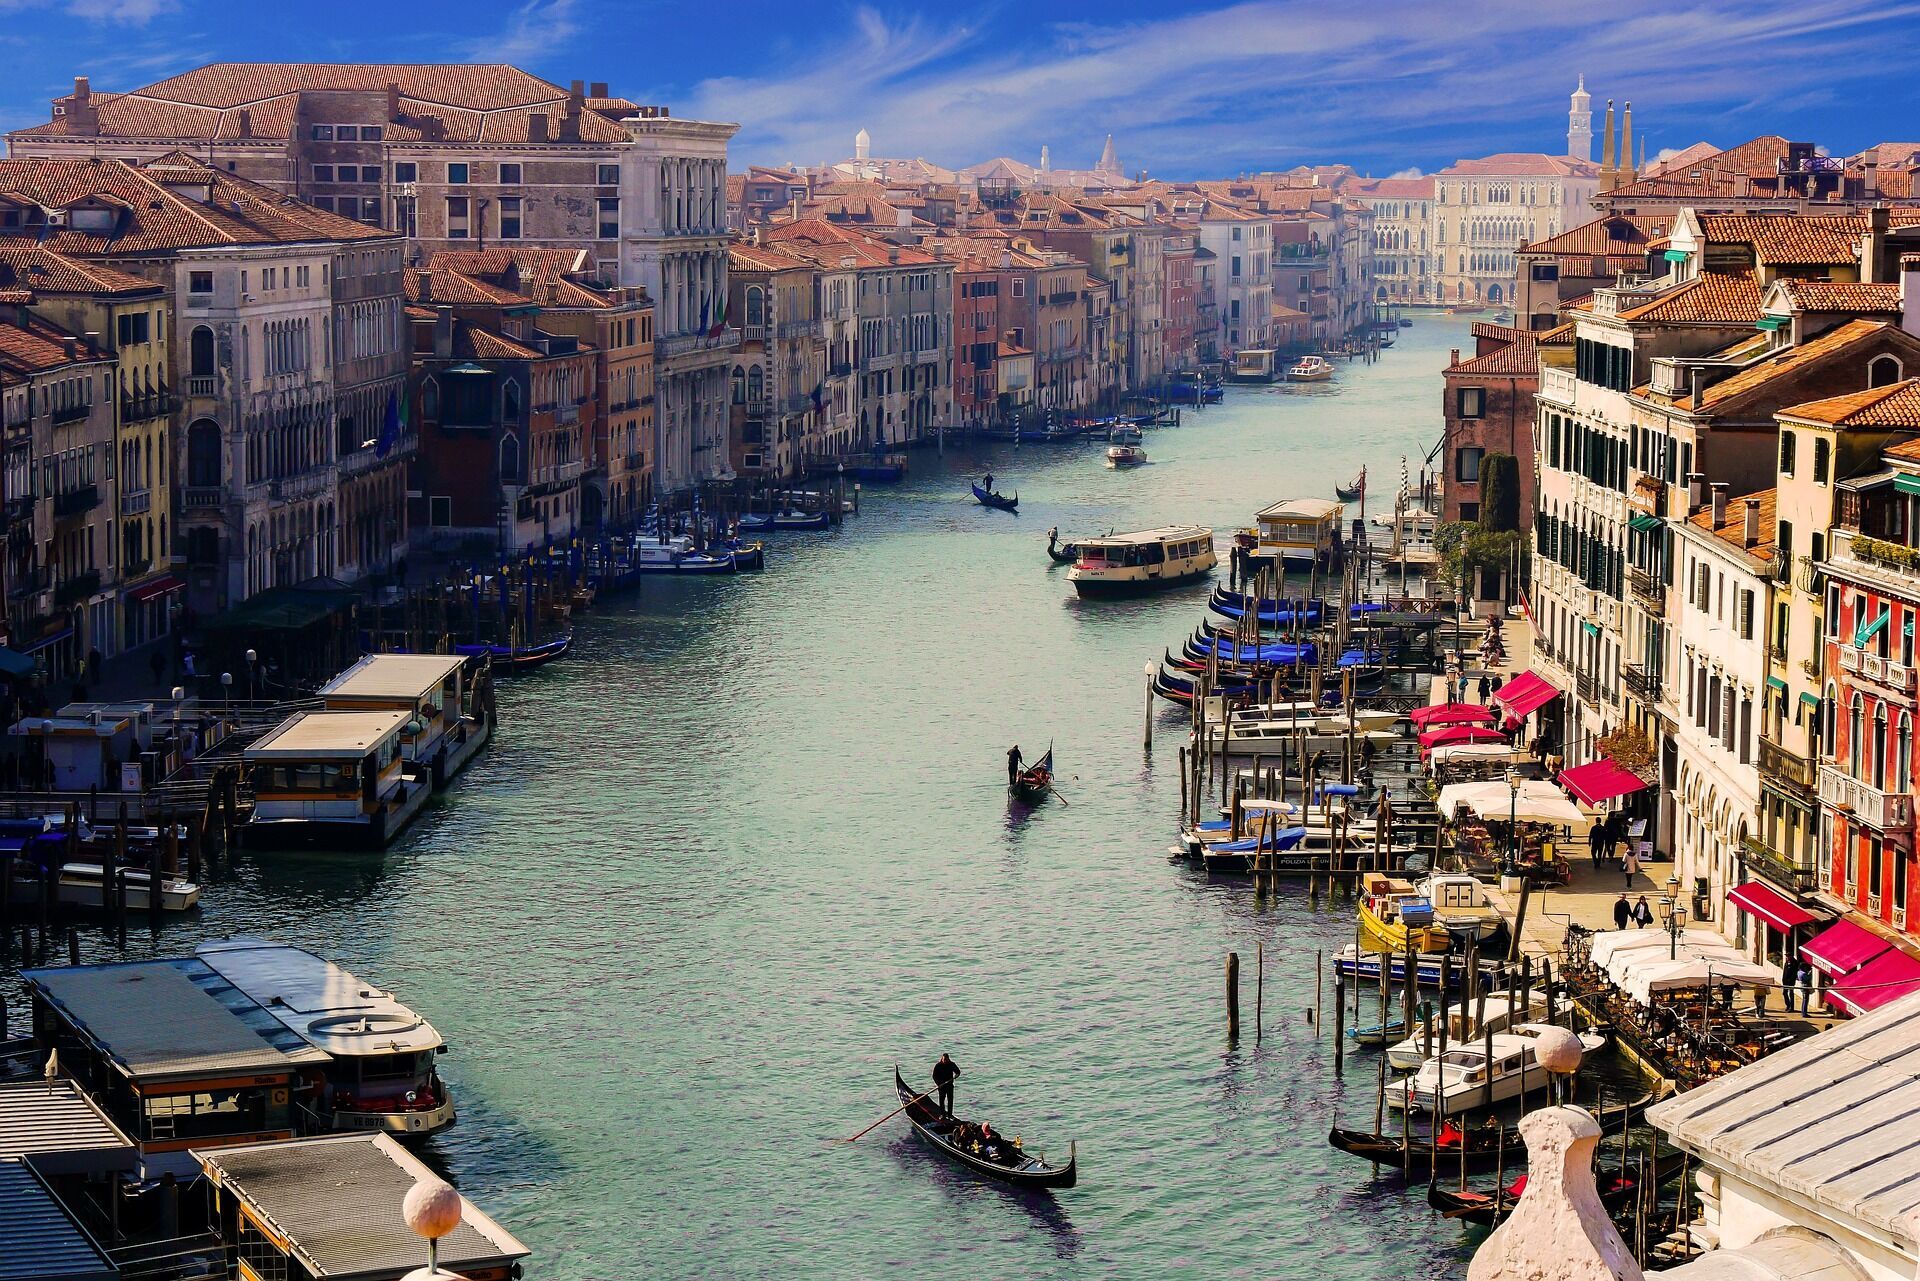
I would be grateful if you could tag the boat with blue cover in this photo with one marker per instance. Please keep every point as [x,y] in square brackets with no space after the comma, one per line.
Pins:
[515,660]
[762,522]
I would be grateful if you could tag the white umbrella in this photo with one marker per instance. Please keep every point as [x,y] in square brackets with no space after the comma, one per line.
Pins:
[1538,801]
[1646,978]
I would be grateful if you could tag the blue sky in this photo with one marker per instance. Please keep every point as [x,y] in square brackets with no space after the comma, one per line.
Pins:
[1187,89]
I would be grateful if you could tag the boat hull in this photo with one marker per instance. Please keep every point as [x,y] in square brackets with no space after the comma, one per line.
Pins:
[924,1116]
[374,832]
[1102,587]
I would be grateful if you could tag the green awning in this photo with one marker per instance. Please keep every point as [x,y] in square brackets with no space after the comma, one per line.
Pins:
[1776,683]
[1644,522]
[1771,323]
[1675,255]
[1906,483]
[1810,701]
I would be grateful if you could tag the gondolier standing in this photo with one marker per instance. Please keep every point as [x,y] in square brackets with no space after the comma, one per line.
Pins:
[1013,764]
[944,1074]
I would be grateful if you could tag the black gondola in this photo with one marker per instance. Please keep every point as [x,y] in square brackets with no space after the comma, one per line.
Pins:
[1061,553]
[509,660]
[1032,784]
[1616,1188]
[1483,1144]
[1000,502]
[1016,1165]
[1352,490]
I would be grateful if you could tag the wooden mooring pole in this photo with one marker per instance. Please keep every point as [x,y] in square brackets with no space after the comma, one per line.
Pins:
[1233,996]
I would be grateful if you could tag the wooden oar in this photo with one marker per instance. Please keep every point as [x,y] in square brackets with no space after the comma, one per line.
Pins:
[883,1120]
[1056,793]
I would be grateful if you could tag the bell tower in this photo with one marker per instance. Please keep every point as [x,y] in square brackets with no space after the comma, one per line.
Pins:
[1580,123]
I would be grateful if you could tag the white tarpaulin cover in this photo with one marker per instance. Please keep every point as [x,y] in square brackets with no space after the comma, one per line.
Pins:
[1609,944]
[1645,977]
[1539,801]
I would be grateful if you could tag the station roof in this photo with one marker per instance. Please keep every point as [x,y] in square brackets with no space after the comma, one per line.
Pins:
[155,1023]
[1300,508]
[317,1000]
[408,676]
[310,736]
[1828,1122]
[336,1201]
[57,1124]
[1167,533]
[43,1241]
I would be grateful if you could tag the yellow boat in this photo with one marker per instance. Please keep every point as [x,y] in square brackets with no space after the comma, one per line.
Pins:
[1381,926]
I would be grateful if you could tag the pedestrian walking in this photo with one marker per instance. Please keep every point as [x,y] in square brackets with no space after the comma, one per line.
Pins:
[1632,865]
[1596,843]
[1642,914]
[1486,690]
[1804,981]
[1622,912]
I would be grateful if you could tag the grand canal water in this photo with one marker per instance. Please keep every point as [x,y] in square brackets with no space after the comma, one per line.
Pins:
[751,846]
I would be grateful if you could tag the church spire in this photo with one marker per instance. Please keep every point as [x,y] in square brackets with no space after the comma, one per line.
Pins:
[1627,172]
[1109,158]
[1580,123]
[1609,170]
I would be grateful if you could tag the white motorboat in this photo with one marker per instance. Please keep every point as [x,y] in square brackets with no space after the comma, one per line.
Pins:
[1310,369]
[380,1074]
[1125,455]
[1465,1078]
[1461,1021]
[82,885]
[1124,434]
[1461,904]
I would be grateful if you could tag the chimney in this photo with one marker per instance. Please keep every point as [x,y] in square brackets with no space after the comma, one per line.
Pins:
[82,116]
[393,100]
[1455,358]
[1696,491]
[1910,294]
[598,89]
[443,335]
[1693,385]
[72,345]
[793,207]
[244,123]
[537,125]
[1719,503]
[1750,531]
[570,122]
[1873,246]
[426,285]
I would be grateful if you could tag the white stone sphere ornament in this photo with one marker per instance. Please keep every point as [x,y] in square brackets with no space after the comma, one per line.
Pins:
[1558,1051]
[431,1209]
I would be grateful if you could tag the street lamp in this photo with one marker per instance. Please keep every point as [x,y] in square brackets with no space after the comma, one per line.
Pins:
[252,660]
[1673,916]
[226,688]
[1513,822]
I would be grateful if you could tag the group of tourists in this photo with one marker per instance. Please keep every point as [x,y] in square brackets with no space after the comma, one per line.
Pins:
[1604,841]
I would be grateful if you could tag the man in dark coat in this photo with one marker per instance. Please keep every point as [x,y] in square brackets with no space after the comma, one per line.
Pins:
[945,1072]
[1622,913]
[1013,764]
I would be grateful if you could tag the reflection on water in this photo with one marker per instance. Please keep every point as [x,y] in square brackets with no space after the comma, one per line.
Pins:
[736,857]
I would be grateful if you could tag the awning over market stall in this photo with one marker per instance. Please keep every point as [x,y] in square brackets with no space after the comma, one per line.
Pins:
[1609,947]
[1537,801]
[1461,734]
[1887,977]
[1458,753]
[1760,900]
[1526,693]
[1647,977]
[1450,714]
[1598,782]
[1842,948]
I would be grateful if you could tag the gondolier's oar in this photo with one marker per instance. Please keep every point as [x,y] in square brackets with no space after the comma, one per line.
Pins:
[883,1120]
[1056,793]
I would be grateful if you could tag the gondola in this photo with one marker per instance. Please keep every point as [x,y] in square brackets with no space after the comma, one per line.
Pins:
[1483,1143]
[1058,552]
[510,660]
[1000,502]
[758,522]
[1616,1188]
[1025,1169]
[1352,490]
[1034,782]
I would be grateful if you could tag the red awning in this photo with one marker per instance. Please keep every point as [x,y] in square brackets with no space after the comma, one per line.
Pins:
[1598,782]
[1842,948]
[1461,734]
[158,587]
[1770,905]
[1887,977]
[1451,714]
[1525,694]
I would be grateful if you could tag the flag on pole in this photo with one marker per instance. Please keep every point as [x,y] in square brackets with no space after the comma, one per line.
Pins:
[819,393]
[392,428]
[719,317]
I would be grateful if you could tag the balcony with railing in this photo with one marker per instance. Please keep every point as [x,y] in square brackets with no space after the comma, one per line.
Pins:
[202,385]
[71,414]
[1556,385]
[1642,682]
[1587,686]
[1877,809]
[1648,592]
[136,502]
[1873,669]
[28,582]
[1781,868]
[135,409]
[1781,764]
[77,501]
[77,587]
[202,496]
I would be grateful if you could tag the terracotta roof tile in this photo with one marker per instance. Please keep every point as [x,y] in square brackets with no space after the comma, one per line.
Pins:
[1523,164]
[1789,361]
[1825,240]
[1828,295]
[35,269]
[1709,298]
[1517,359]
[1733,530]
[1614,236]
[1895,406]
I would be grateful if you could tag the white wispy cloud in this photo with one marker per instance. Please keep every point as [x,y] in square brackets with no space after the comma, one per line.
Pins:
[536,30]
[136,12]
[1274,82]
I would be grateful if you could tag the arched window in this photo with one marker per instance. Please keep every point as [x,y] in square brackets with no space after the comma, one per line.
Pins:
[1903,753]
[756,307]
[754,384]
[510,401]
[1879,745]
[430,400]
[1856,724]
[1825,726]
[1883,371]
[509,458]
[201,347]
[203,454]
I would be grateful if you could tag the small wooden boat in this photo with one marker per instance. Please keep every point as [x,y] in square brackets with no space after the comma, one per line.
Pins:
[759,522]
[1058,552]
[1378,1033]
[1014,1163]
[513,660]
[1616,1186]
[1034,782]
[1352,490]
[1001,502]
